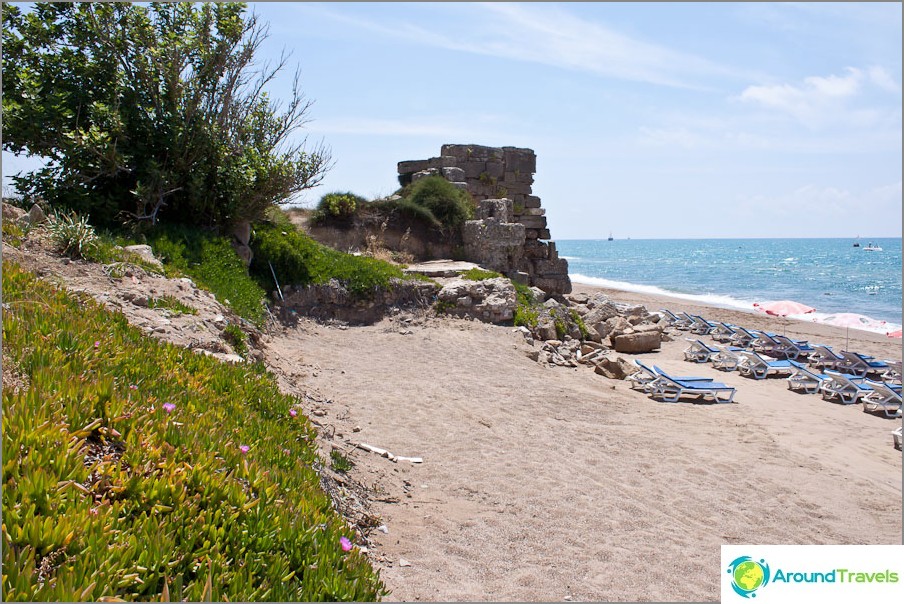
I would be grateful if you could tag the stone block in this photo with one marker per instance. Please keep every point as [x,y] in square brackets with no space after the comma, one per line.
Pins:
[636,343]
[543,234]
[533,212]
[552,267]
[495,169]
[453,174]
[424,174]
[500,209]
[534,222]
[410,167]
[473,169]
[531,201]
[536,250]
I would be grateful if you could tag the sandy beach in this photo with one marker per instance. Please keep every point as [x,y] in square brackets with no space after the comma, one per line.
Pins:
[546,483]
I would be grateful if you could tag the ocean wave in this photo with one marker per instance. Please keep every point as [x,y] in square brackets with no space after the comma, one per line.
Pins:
[706,299]
[570,257]
[722,301]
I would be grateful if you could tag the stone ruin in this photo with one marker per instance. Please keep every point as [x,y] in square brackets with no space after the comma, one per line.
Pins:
[510,234]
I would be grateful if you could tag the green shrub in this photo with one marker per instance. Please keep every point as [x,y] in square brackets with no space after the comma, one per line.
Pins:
[138,470]
[527,312]
[449,204]
[299,260]
[212,263]
[340,462]
[338,206]
[408,209]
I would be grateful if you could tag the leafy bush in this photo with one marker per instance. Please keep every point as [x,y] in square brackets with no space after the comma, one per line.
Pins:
[212,263]
[408,209]
[299,260]
[138,470]
[338,206]
[340,462]
[527,310]
[152,112]
[449,204]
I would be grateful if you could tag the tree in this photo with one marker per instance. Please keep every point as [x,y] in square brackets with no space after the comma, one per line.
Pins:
[151,113]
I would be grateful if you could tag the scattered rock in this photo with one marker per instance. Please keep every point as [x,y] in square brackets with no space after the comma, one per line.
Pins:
[490,300]
[635,343]
[145,253]
[616,369]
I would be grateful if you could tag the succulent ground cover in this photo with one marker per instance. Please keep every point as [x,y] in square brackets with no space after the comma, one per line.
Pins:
[139,470]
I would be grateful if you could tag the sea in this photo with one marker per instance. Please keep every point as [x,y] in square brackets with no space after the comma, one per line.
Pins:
[830,275]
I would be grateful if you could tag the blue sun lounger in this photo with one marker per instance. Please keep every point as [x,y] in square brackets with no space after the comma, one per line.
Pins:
[699,351]
[803,379]
[860,364]
[793,349]
[884,397]
[642,379]
[670,390]
[755,366]
[847,389]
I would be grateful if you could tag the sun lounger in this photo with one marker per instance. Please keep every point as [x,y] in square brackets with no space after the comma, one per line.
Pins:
[765,343]
[679,322]
[646,376]
[670,390]
[723,332]
[803,379]
[883,398]
[727,358]
[847,389]
[793,349]
[700,326]
[743,337]
[823,357]
[755,366]
[699,351]
[893,374]
[896,437]
[860,364]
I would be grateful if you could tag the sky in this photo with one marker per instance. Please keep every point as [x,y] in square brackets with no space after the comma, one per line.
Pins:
[649,120]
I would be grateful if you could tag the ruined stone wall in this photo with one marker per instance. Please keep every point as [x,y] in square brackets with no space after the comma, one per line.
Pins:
[491,175]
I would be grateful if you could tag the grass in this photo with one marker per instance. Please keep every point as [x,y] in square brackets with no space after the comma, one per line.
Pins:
[340,462]
[527,310]
[299,260]
[212,263]
[478,274]
[138,470]
[236,338]
[173,304]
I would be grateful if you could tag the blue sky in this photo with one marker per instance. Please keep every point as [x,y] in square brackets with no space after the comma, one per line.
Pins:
[650,120]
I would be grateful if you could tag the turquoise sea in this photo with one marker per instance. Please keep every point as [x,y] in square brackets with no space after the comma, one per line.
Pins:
[828,274]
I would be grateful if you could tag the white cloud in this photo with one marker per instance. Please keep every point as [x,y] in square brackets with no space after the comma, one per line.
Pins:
[821,101]
[551,36]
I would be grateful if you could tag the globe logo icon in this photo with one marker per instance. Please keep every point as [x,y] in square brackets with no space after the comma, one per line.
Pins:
[748,575]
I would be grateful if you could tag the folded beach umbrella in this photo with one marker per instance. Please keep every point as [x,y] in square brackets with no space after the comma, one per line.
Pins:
[783,308]
[894,334]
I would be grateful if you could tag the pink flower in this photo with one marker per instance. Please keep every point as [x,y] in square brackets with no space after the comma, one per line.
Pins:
[345,543]
[293,412]
[169,407]
[244,449]
[97,343]
[133,387]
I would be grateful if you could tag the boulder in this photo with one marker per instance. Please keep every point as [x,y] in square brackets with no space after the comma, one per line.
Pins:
[454,174]
[617,326]
[635,343]
[36,215]
[490,300]
[616,369]
[145,253]
[12,213]
[242,232]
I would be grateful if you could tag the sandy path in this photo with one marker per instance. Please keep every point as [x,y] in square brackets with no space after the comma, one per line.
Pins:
[541,483]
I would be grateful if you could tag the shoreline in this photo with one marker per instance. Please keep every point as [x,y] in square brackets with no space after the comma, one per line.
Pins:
[868,342]
[676,299]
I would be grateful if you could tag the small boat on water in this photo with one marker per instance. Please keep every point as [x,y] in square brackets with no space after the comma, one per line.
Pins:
[610,236]
[872,248]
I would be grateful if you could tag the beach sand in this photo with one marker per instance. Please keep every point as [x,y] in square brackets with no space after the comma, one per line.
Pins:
[541,483]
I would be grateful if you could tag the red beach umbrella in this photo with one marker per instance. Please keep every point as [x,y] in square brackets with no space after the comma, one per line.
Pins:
[783,308]
[894,334]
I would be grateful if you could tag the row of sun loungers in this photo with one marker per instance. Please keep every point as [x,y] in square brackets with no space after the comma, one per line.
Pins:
[662,386]
[842,377]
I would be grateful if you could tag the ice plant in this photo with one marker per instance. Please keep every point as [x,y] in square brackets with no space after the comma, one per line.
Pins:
[345,543]
[133,387]
[97,343]
[169,407]
[244,449]
[293,412]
